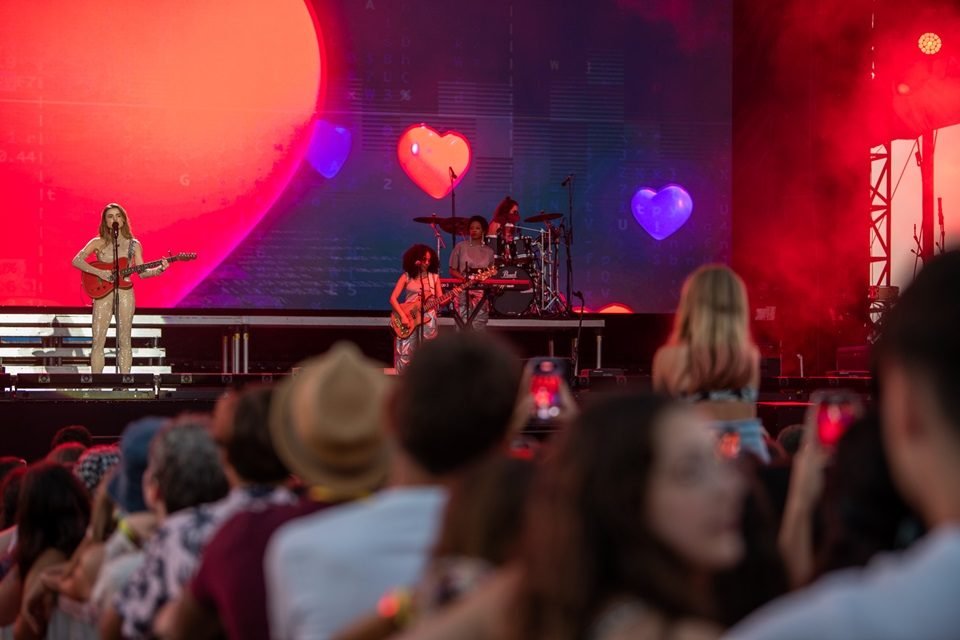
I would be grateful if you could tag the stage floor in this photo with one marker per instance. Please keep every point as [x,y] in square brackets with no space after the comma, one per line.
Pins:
[53,342]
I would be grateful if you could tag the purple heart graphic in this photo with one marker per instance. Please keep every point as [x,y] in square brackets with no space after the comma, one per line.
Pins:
[329,148]
[661,213]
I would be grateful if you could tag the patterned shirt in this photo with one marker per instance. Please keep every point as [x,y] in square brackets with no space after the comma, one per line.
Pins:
[172,555]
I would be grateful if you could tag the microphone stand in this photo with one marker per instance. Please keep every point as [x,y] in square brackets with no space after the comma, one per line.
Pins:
[943,236]
[576,351]
[116,294]
[453,206]
[467,315]
[423,308]
[440,242]
[568,240]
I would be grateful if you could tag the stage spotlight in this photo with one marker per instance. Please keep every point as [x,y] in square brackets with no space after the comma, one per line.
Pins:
[930,43]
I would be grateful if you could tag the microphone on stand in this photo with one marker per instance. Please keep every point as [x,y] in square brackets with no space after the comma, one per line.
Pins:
[566,180]
[453,176]
[116,229]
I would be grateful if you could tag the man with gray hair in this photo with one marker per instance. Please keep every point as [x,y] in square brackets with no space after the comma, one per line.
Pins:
[256,477]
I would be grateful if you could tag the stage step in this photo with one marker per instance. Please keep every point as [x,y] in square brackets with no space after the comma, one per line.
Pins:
[74,352]
[30,368]
[74,332]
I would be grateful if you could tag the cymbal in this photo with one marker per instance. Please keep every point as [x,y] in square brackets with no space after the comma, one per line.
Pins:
[454,225]
[449,224]
[434,219]
[543,217]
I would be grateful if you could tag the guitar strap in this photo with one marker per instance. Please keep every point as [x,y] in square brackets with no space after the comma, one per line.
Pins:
[429,285]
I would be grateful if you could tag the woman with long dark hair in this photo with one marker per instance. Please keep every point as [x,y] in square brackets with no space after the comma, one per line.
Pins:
[505,216]
[629,524]
[632,517]
[53,511]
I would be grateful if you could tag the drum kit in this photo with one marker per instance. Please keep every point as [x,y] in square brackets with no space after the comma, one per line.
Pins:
[527,282]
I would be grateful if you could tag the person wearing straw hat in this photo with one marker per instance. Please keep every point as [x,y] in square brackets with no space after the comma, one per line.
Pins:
[326,425]
[455,404]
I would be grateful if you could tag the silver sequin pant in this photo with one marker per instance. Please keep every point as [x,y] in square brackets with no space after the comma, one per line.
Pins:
[102,312]
[403,348]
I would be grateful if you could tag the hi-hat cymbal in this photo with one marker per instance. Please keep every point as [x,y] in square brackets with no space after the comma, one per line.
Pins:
[544,217]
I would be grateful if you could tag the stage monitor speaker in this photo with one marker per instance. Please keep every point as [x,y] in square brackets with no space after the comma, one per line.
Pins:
[853,360]
[210,386]
[599,379]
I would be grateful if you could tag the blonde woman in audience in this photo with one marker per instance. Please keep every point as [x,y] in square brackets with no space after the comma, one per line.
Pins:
[711,360]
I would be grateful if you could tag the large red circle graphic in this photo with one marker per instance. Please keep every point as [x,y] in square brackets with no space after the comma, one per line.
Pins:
[193,115]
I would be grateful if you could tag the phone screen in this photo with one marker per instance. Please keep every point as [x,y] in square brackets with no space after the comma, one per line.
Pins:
[728,446]
[834,414]
[547,375]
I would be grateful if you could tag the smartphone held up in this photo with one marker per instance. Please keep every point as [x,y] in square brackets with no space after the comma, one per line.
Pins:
[832,414]
[547,379]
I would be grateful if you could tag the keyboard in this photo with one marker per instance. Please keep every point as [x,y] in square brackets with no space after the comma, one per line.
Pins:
[490,282]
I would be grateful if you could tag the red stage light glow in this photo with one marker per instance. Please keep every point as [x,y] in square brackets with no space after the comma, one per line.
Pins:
[428,158]
[615,307]
[193,115]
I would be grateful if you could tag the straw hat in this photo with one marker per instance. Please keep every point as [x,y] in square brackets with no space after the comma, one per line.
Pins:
[327,421]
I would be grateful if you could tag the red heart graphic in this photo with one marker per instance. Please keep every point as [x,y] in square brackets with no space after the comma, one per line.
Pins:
[192,115]
[429,158]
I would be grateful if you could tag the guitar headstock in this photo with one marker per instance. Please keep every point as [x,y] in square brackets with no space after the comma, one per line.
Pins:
[181,256]
[483,275]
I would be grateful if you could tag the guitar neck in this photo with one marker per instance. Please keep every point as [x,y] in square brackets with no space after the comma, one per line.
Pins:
[140,268]
[450,295]
[444,299]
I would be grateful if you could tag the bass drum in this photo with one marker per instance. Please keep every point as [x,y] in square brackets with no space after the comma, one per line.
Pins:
[514,301]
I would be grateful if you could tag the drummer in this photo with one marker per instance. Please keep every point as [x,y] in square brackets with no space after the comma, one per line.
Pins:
[467,257]
[505,217]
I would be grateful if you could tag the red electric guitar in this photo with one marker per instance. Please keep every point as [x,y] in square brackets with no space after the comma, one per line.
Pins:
[97,288]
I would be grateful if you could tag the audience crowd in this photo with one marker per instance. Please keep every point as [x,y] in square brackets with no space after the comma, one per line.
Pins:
[346,503]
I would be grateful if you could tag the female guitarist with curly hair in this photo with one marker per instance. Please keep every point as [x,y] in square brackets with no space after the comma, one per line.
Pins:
[420,280]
